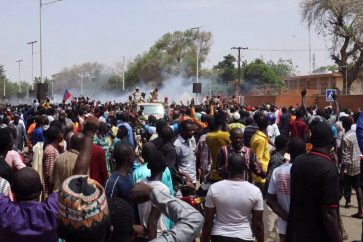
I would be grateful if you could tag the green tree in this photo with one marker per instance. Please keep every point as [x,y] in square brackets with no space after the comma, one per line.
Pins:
[258,73]
[173,54]
[283,68]
[342,22]
[226,68]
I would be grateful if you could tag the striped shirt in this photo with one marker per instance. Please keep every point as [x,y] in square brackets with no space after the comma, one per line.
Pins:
[351,153]
[49,157]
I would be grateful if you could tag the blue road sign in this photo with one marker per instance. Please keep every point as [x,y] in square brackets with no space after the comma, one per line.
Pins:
[329,94]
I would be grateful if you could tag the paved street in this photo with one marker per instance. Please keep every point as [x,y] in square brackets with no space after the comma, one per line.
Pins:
[352,226]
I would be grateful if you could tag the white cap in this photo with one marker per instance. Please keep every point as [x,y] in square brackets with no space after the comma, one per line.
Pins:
[236,116]
[343,114]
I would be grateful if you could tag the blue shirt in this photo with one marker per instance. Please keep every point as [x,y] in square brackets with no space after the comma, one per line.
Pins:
[118,186]
[130,135]
[143,172]
[37,136]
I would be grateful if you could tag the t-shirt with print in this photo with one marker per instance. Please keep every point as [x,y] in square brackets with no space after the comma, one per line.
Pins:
[280,186]
[118,186]
[314,184]
[234,202]
[145,208]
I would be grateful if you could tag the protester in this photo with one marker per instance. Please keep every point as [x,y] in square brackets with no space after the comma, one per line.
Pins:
[216,138]
[314,202]
[237,148]
[277,159]
[150,217]
[233,207]
[278,197]
[350,167]
[143,172]
[51,153]
[187,221]
[259,145]
[120,183]
[64,163]
[185,147]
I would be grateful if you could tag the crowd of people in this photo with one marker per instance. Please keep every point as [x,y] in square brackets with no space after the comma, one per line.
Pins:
[92,171]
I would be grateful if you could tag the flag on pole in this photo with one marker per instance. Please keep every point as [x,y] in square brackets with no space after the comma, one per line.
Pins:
[66,95]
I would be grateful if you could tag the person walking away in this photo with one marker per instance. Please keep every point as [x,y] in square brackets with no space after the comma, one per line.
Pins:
[64,164]
[278,196]
[298,127]
[51,153]
[284,124]
[277,159]
[233,208]
[314,201]
[350,166]
[119,184]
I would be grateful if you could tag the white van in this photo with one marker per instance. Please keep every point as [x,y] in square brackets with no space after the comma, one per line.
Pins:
[156,109]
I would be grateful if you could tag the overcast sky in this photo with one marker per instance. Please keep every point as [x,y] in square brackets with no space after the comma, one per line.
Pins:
[77,31]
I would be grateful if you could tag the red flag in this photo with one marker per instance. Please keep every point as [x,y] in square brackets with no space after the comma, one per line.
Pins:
[66,95]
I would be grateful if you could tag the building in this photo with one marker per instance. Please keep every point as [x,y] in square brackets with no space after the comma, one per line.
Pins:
[321,82]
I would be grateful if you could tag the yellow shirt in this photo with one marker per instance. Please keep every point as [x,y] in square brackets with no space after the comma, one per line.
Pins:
[215,140]
[259,145]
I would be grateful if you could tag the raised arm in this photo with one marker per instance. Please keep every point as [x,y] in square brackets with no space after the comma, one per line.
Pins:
[84,158]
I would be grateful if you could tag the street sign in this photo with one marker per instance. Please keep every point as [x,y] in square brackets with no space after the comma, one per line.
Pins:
[329,94]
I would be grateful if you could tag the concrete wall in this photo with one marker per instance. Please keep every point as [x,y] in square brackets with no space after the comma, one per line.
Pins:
[355,102]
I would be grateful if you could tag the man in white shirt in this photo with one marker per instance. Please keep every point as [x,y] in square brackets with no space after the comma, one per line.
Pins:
[278,197]
[233,207]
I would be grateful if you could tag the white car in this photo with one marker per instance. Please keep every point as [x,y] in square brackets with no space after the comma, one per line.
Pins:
[155,109]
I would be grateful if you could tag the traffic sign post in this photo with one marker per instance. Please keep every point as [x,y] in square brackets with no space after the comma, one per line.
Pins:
[329,94]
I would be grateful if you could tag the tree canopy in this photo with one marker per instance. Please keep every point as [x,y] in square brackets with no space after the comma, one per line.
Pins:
[226,69]
[342,22]
[258,72]
[173,54]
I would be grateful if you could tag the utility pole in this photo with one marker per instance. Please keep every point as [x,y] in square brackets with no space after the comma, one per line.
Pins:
[19,74]
[309,50]
[123,73]
[239,67]
[40,35]
[32,80]
[198,52]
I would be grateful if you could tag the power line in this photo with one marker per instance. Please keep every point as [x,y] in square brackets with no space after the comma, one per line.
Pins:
[286,50]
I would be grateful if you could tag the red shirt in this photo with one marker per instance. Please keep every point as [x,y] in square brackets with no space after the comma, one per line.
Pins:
[98,169]
[298,128]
